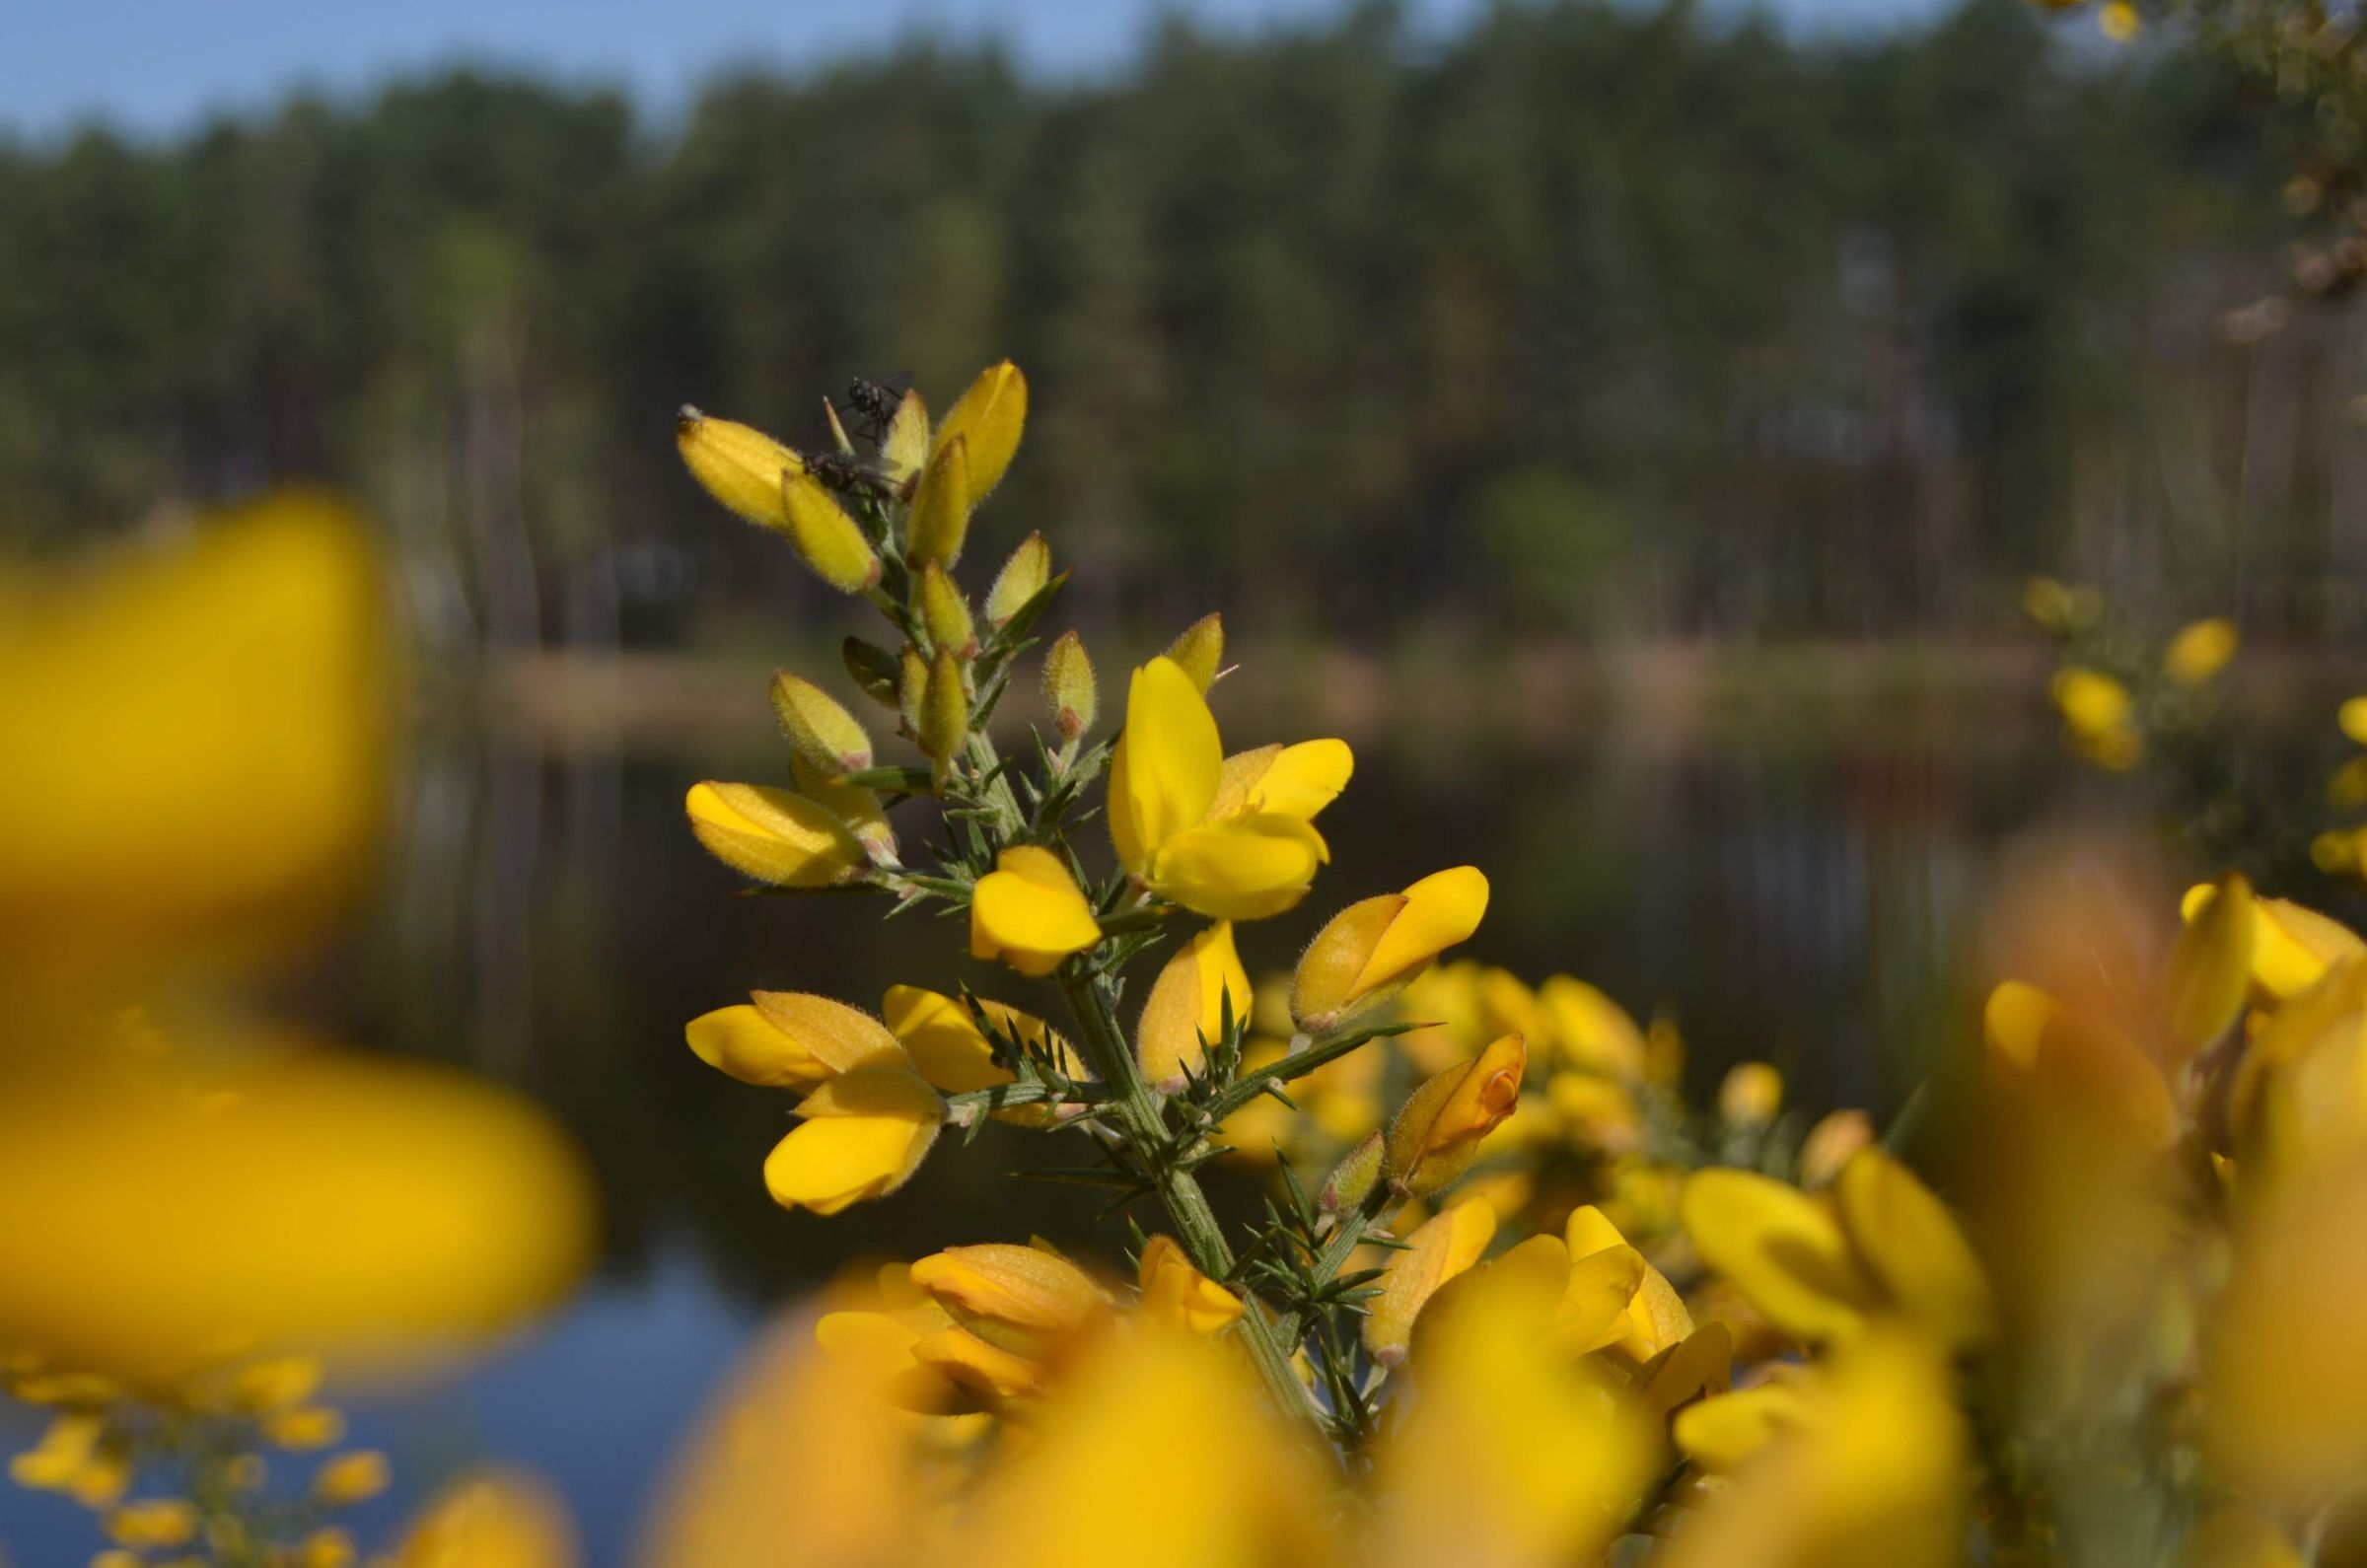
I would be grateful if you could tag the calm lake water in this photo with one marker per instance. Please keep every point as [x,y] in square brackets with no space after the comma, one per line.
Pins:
[1802,892]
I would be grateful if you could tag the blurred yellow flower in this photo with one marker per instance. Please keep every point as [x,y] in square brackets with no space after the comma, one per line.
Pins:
[2202,649]
[2098,717]
[1439,1249]
[1176,1295]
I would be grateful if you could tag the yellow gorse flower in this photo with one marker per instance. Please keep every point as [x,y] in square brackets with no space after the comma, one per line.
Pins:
[773,835]
[1029,912]
[2098,717]
[1436,1135]
[1168,781]
[1372,951]
[1173,1292]
[2200,651]
[1200,987]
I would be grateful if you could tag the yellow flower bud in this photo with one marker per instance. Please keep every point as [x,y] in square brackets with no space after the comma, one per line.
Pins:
[989,418]
[353,1477]
[2211,966]
[1441,1247]
[1353,1180]
[944,710]
[905,445]
[153,1522]
[2200,650]
[942,504]
[2098,715]
[1068,687]
[1024,1299]
[1749,1094]
[828,541]
[741,468]
[945,613]
[857,808]
[1436,1134]
[1022,578]
[304,1428]
[791,1039]
[773,835]
[1184,1014]
[1029,912]
[827,736]
[1371,950]
[911,688]
[1200,650]
[865,1132]
[1176,1295]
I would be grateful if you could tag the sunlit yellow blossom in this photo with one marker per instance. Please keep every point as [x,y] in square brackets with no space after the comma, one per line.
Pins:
[1439,1249]
[1437,1132]
[918,1357]
[864,1134]
[1750,1094]
[989,418]
[774,835]
[2098,716]
[494,1518]
[1165,777]
[1175,1293]
[1029,912]
[1656,1316]
[1025,1299]
[949,1050]
[325,1549]
[2292,948]
[66,1446]
[1719,1433]
[152,1523]
[791,1039]
[1196,991]
[739,467]
[353,1477]
[1591,1031]
[305,1427]
[1372,949]
[2200,651]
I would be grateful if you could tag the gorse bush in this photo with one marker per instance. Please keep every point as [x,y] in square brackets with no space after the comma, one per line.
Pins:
[1509,1299]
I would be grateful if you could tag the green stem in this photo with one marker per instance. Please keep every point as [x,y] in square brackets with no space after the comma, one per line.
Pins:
[1139,1115]
[1343,1241]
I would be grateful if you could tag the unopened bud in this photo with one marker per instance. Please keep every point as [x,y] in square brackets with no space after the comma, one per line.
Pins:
[905,446]
[1022,578]
[941,506]
[827,538]
[824,735]
[945,613]
[988,417]
[1200,650]
[1436,1134]
[1751,1094]
[911,688]
[872,668]
[1069,690]
[943,709]
[741,466]
[1351,1180]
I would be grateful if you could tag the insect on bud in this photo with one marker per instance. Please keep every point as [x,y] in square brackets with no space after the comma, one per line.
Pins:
[827,736]
[1200,650]
[1022,578]
[1069,690]
[946,615]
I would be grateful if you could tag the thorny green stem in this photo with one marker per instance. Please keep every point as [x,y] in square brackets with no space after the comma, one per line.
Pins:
[1139,1115]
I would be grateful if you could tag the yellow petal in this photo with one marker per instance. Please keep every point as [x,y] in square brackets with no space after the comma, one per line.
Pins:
[827,539]
[2210,967]
[491,1519]
[989,416]
[1441,910]
[1720,1433]
[998,1285]
[739,467]
[867,1131]
[1029,912]
[1243,868]
[1908,1239]
[1701,1363]
[839,1037]
[740,1042]
[1323,985]
[2014,1023]
[1188,1004]
[2200,650]
[1443,1247]
[1593,1032]
[1292,780]
[1594,1300]
[944,1041]
[941,506]
[773,835]
[1177,1293]
[1167,761]
[965,1360]
[1785,1250]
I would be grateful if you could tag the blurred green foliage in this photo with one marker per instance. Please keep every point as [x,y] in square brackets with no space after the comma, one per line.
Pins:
[1587,312]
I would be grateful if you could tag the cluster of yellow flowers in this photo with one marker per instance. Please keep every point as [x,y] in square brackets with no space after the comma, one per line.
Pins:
[2111,689]
[1536,1311]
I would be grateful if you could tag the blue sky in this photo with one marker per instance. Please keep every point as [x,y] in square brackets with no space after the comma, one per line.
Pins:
[159,66]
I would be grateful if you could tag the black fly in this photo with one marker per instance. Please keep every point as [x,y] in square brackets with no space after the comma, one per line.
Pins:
[874,403]
[847,473]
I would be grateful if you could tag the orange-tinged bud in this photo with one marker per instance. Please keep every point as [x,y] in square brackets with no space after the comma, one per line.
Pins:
[1371,950]
[739,467]
[1069,688]
[1175,1293]
[1022,578]
[1197,989]
[828,541]
[989,418]
[1029,912]
[1200,650]
[827,736]
[773,835]
[1436,1135]
[941,505]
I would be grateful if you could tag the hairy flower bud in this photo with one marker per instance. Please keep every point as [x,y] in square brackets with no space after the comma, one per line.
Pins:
[773,835]
[1069,688]
[827,539]
[1372,949]
[739,465]
[945,613]
[822,732]
[941,506]
[1022,578]
[1024,1299]
[1436,1135]
[905,446]
[988,420]
[1197,990]
[1351,1180]
[943,709]
[911,688]
[1200,650]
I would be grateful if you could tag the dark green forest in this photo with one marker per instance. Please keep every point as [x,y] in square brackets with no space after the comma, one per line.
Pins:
[1591,321]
